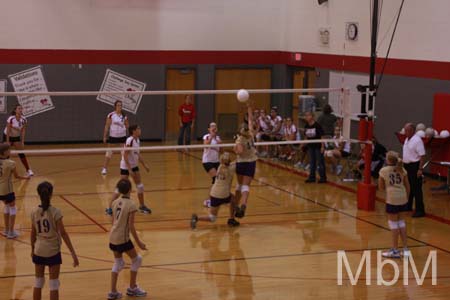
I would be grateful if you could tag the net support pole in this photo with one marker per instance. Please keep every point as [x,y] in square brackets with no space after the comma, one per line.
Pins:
[366,192]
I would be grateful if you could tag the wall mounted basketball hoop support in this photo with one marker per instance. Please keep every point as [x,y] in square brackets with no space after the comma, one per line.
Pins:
[366,190]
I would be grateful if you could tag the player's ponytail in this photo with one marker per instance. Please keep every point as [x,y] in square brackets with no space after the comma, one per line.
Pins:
[225,161]
[45,191]
[393,159]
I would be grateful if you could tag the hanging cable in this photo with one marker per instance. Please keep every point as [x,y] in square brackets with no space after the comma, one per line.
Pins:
[390,44]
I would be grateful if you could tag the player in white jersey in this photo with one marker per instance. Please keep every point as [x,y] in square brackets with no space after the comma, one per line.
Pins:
[115,132]
[246,161]
[220,193]
[124,211]
[7,171]
[394,179]
[47,230]
[210,158]
[129,165]
[14,134]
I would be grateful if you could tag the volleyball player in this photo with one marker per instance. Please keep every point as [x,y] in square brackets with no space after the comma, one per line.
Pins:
[115,132]
[394,179]
[210,157]
[129,165]
[220,193]
[14,134]
[47,230]
[124,211]
[246,162]
[7,170]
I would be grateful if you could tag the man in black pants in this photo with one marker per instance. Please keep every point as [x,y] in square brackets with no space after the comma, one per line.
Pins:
[413,159]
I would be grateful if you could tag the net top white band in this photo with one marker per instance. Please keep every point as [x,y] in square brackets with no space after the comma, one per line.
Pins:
[177,92]
[173,147]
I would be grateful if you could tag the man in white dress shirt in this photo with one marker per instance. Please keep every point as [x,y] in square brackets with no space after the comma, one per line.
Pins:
[413,159]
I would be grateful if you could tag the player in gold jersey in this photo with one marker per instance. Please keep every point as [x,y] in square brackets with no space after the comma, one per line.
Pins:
[394,179]
[7,171]
[47,230]
[220,193]
[246,161]
[124,211]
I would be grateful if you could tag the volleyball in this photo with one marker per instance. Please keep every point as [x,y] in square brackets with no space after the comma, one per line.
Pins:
[420,126]
[242,95]
[445,134]
[421,133]
[429,132]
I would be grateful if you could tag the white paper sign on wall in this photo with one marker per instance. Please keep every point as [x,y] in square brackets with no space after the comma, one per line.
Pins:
[31,80]
[3,98]
[118,82]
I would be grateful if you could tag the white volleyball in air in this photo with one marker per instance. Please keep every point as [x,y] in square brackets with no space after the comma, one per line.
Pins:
[421,133]
[429,132]
[420,126]
[242,95]
[445,134]
[402,131]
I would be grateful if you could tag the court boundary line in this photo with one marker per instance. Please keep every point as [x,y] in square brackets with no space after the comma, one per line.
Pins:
[83,213]
[208,261]
[345,188]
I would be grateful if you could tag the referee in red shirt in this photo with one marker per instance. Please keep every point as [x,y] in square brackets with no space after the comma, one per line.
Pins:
[186,113]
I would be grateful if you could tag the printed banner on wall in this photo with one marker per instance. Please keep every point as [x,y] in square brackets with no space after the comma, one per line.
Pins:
[3,98]
[117,82]
[32,80]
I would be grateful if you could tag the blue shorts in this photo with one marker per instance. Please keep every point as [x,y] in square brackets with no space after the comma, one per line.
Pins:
[122,247]
[395,209]
[215,202]
[8,198]
[47,261]
[246,168]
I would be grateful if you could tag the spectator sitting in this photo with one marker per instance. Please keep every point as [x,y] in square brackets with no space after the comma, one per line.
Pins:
[263,131]
[339,149]
[276,123]
[378,158]
[289,134]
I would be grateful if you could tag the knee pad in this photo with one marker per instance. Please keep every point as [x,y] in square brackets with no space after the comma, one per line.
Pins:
[401,224]
[6,209]
[245,188]
[53,284]
[108,154]
[137,262]
[393,225]
[238,187]
[21,155]
[140,188]
[12,210]
[212,218]
[39,282]
[118,266]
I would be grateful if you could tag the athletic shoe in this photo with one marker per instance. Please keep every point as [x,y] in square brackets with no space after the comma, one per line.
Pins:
[233,223]
[194,220]
[30,172]
[310,180]
[339,169]
[207,203]
[136,292]
[406,252]
[145,210]
[299,165]
[12,235]
[104,171]
[240,211]
[392,253]
[322,181]
[114,295]
[108,211]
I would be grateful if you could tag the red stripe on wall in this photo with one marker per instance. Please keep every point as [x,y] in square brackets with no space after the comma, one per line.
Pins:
[402,67]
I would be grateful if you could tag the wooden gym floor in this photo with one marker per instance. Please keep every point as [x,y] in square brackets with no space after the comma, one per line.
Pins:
[286,246]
